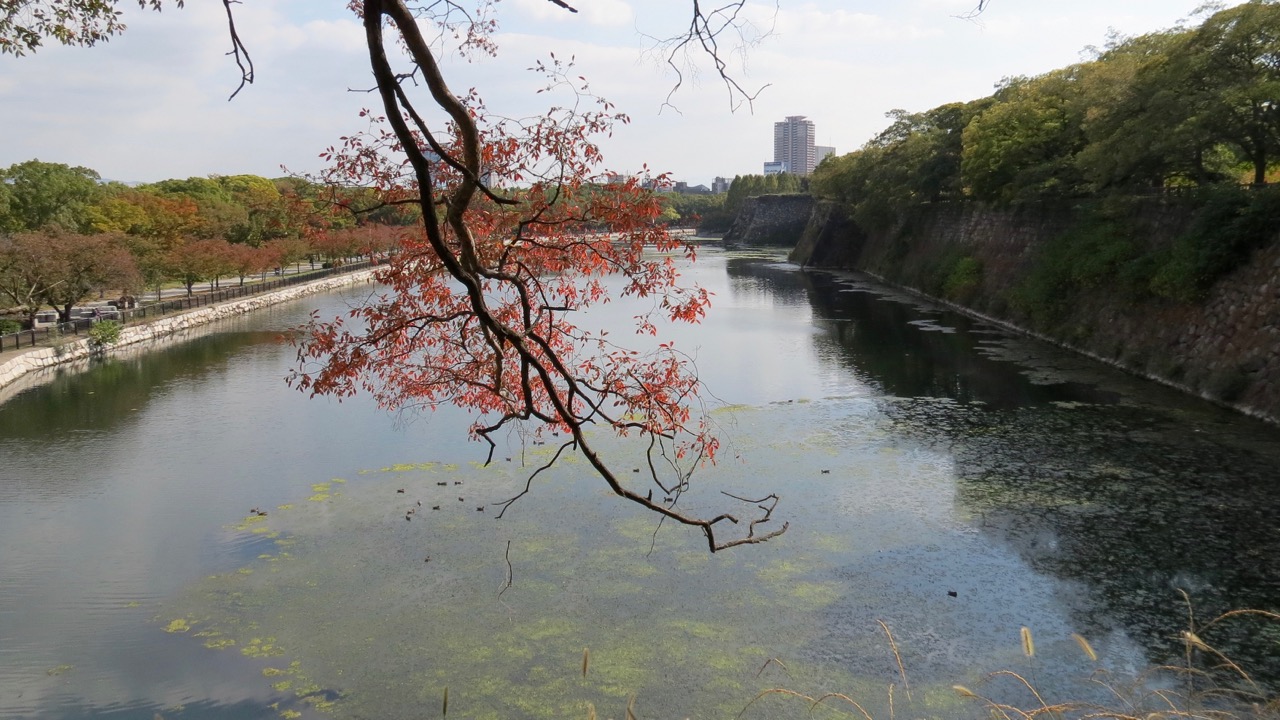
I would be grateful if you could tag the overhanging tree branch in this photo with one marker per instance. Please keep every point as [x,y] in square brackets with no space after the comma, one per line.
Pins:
[500,275]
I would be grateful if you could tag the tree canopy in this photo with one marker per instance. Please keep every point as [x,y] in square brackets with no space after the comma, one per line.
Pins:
[127,239]
[40,195]
[1179,108]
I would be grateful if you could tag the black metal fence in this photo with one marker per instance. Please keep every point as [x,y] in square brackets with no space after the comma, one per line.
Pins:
[44,335]
[52,333]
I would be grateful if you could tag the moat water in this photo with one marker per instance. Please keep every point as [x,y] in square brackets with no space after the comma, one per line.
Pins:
[940,476]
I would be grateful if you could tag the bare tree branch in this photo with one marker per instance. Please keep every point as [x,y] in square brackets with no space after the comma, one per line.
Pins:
[976,11]
[238,50]
[705,35]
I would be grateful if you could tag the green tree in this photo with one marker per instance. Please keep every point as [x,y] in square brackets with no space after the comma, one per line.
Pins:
[117,211]
[1137,130]
[1235,78]
[916,159]
[47,195]
[749,186]
[1023,146]
[5,196]
[264,209]
[217,209]
[708,210]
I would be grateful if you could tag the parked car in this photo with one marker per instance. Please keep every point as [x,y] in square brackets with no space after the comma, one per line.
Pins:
[96,312]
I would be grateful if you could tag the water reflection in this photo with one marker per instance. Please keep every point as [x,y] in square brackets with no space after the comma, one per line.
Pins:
[1126,492]
[940,475]
[117,389]
[115,489]
[909,348]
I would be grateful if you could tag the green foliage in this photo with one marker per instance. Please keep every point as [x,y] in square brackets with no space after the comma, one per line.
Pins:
[64,233]
[104,333]
[749,186]
[707,210]
[964,279]
[42,195]
[1100,254]
[8,326]
[1233,80]
[1097,255]
[25,24]
[265,217]
[916,159]
[1179,108]
[1023,147]
[1231,224]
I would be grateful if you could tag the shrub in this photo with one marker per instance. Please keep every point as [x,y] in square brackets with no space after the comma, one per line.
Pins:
[1232,224]
[8,326]
[104,333]
[963,280]
[1099,252]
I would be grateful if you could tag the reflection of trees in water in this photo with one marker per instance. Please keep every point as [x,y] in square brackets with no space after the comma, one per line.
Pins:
[116,389]
[1127,504]
[875,337]
[784,284]
[1129,507]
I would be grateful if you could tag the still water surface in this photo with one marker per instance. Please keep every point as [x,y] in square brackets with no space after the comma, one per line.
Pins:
[944,477]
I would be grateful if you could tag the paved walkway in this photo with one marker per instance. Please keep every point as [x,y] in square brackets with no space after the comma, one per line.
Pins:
[26,363]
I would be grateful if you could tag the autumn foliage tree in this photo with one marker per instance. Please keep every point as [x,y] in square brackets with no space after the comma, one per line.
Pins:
[196,261]
[60,268]
[481,302]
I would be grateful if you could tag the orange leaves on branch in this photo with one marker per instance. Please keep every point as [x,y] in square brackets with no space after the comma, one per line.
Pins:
[522,233]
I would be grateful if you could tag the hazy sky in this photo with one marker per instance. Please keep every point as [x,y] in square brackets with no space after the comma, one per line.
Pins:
[152,104]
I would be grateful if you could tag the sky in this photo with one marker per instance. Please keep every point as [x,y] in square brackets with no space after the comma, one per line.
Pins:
[152,103]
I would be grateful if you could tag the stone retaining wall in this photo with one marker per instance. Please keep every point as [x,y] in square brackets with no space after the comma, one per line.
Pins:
[1225,348]
[770,220]
[39,359]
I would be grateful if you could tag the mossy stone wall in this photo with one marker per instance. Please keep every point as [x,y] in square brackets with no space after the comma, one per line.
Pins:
[1223,345]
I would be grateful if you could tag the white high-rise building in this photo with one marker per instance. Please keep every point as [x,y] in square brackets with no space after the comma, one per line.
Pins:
[793,145]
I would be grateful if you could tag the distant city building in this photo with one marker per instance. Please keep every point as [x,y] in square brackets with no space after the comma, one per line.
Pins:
[775,168]
[793,145]
[720,185]
[821,151]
